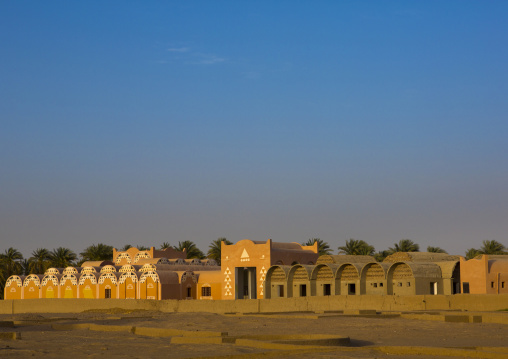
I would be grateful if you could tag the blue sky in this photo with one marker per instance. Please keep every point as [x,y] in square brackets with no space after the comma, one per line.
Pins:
[149,122]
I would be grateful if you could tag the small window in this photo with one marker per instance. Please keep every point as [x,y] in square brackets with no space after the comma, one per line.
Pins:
[465,287]
[375,285]
[502,284]
[408,284]
[492,284]
[189,292]
[351,289]
[380,284]
[206,291]
[399,284]
[327,289]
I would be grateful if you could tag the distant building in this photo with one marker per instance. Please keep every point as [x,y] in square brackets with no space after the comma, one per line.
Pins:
[256,270]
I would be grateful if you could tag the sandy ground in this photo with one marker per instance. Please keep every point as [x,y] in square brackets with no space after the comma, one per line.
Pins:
[40,340]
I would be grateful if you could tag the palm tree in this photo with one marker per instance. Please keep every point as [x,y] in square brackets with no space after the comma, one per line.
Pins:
[357,247]
[124,248]
[492,247]
[472,252]
[10,262]
[381,255]
[97,252]
[323,247]
[25,266]
[62,257]
[191,249]
[405,245]
[39,261]
[142,248]
[214,251]
[431,249]
[165,245]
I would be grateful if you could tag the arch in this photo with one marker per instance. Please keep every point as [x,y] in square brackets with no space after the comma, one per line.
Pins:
[347,279]
[276,282]
[450,277]
[177,261]
[108,285]
[322,280]
[123,258]
[70,270]
[127,268]
[88,269]
[31,286]
[14,287]
[299,281]
[87,285]
[373,279]
[193,261]
[401,280]
[53,270]
[210,262]
[141,254]
[127,285]
[149,267]
[149,286]
[108,269]
[50,286]
[69,286]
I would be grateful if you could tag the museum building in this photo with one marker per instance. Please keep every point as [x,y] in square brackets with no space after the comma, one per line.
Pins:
[257,269]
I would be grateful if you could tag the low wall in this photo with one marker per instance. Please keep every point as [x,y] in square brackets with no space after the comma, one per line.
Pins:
[469,302]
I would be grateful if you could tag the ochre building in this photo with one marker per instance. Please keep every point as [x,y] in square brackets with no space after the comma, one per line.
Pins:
[256,270]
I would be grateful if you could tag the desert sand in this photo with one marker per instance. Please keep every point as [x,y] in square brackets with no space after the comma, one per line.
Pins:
[367,334]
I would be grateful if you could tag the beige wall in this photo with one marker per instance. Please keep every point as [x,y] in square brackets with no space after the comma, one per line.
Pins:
[469,302]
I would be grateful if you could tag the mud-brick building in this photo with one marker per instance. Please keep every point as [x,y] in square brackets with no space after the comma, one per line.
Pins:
[485,274]
[412,273]
[244,265]
[134,255]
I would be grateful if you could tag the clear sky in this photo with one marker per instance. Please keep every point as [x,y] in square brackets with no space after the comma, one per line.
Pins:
[135,122]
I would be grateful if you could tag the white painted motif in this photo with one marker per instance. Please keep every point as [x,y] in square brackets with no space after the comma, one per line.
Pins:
[245,256]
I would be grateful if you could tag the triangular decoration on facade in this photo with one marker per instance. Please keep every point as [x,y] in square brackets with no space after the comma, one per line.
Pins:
[245,256]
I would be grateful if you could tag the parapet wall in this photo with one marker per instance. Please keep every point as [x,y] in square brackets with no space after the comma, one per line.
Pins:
[469,302]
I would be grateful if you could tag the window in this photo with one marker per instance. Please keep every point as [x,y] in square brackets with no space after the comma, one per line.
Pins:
[189,292]
[327,289]
[303,290]
[492,284]
[351,288]
[408,284]
[399,284]
[206,291]
[107,293]
[502,284]
[380,284]
[465,287]
[375,285]
[281,291]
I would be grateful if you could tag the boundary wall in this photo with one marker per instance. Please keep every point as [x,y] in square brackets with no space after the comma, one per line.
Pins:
[467,302]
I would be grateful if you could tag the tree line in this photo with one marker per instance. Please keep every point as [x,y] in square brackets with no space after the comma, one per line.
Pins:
[360,247]
[12,261]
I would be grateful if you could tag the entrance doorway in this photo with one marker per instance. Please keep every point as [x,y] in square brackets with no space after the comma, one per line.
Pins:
[433,288]
[245,283]
[351,289]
